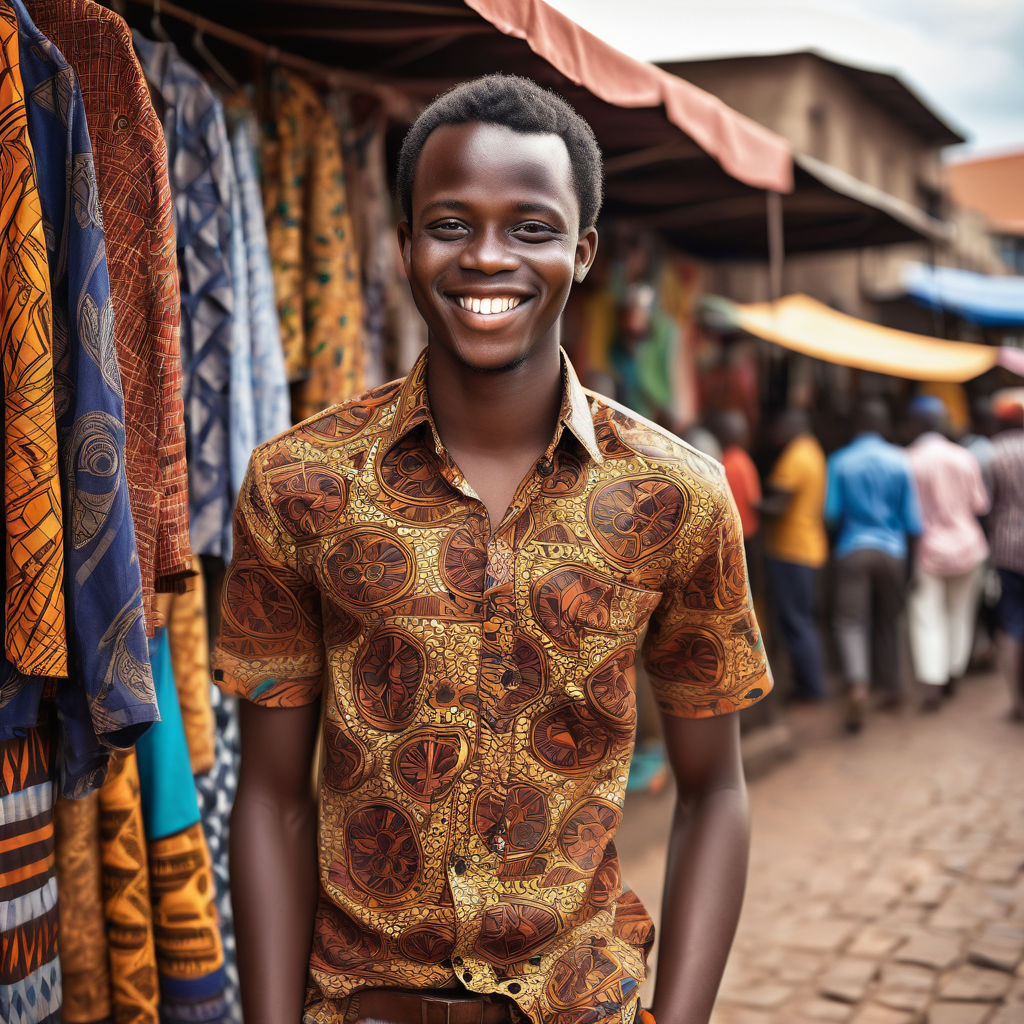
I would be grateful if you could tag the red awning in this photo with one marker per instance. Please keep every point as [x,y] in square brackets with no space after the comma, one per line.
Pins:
[750,152]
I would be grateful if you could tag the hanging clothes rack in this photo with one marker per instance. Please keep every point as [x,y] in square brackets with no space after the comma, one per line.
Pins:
[394,101]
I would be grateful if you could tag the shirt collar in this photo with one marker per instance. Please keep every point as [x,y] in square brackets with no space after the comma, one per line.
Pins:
[413,408]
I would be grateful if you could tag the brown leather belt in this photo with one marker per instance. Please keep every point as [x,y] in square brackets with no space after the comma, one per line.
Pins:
[403,1006]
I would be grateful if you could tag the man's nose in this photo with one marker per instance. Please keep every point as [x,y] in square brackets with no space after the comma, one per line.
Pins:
[488,250]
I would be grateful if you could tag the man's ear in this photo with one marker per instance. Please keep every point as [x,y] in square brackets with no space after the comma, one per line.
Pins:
[586,251]
[405,244]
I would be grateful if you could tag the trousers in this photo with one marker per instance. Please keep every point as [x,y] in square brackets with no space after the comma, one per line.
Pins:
[869,604]
[941,614]
[792,587]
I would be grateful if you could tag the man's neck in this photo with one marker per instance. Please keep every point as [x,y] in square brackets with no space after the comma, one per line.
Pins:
[510,413]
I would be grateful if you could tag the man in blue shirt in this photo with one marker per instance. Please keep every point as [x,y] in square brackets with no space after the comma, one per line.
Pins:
[872,504]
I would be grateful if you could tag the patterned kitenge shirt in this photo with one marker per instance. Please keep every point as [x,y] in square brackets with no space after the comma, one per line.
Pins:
[478,685]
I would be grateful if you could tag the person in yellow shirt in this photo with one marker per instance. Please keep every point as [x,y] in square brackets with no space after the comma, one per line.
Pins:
[796,546]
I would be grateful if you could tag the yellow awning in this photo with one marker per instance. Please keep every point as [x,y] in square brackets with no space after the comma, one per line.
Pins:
[802,324]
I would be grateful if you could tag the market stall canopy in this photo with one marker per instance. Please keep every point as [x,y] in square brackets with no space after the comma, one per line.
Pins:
[676,157]
[801,324]
[978,298]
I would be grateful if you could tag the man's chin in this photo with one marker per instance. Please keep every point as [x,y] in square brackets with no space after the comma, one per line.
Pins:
[489,362]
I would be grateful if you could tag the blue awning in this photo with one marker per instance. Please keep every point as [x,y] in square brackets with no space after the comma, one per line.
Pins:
[980,298]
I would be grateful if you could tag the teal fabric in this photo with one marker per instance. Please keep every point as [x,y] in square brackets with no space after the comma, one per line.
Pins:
[169,802]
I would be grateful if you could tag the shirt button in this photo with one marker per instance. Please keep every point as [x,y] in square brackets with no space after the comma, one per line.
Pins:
[515,988]
[467,976]
[459,867]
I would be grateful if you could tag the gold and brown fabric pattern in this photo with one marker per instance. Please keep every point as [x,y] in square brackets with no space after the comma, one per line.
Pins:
[35,640]
[83,937]
[478,684]
[315,260]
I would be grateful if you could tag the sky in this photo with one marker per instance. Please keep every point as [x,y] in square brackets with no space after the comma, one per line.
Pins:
[964,58]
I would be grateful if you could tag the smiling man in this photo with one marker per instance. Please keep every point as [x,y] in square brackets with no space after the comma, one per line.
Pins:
[449,577]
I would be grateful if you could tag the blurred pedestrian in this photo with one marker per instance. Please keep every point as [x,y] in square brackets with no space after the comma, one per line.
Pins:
[946,574]
[872,503]
[740,472]
[978,439]
[796,546]
[1006,531]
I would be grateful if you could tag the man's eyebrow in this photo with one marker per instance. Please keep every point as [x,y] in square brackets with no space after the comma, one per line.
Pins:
[541,208]
[446,204]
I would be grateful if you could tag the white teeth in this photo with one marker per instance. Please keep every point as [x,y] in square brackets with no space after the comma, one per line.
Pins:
[487,307]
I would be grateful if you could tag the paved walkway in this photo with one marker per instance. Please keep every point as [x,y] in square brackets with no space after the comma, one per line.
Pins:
[887,872]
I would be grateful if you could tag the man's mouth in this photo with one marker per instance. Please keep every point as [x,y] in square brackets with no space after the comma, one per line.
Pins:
[489,306]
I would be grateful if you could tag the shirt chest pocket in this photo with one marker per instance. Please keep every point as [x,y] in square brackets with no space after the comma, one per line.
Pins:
[574,600]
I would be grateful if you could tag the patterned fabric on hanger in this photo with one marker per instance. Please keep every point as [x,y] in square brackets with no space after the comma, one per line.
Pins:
[83,932]
[315,259]
[269,387]
[109,700]
[198,158]
[131,171]
[35,630]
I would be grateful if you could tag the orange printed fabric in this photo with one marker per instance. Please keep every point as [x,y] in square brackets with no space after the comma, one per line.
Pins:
[85,974]
[35,640]
[478,684]
[188,942]
[317,279]
[135,993]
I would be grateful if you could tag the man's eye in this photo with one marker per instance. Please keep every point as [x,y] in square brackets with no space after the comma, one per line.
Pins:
[447,226]
[535,228]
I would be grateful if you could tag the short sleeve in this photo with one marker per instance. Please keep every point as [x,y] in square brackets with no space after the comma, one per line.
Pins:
[270,649]
[704,652]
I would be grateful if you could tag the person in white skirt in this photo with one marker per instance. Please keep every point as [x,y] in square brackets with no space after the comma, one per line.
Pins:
[945,585]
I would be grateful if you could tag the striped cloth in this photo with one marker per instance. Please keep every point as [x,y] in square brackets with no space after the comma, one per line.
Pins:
[30,982]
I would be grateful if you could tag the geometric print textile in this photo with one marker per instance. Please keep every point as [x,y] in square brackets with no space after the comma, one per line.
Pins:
[34,640]
[131,172]
[109,699]
[30,979]
[199,165]
[478,684]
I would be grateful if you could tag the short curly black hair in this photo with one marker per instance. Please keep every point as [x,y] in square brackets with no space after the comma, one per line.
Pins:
[522,105]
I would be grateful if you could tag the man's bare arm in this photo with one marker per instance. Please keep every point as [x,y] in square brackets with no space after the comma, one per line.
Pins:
[273,860]
[707,866]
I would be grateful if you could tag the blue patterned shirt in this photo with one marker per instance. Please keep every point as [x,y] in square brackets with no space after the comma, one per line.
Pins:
[198,158]
[109,700]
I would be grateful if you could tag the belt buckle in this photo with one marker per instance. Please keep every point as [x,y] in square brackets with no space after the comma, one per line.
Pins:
[427,1017]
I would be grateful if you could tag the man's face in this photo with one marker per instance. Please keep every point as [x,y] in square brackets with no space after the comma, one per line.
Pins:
[494,242]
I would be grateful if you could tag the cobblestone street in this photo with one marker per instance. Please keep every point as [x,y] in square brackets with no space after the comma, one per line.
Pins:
[886,882]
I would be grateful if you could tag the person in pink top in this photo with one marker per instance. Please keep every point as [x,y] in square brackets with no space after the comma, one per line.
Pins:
[947,571]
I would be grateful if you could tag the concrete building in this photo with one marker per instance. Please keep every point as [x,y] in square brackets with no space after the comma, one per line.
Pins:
[993,187]
[875,135]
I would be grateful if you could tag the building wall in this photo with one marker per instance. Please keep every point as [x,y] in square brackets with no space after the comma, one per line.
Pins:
[822,112]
